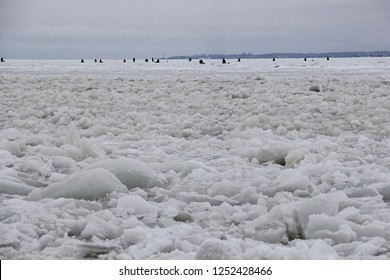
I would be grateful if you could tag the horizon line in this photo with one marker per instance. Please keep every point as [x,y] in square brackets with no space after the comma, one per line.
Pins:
[243,55]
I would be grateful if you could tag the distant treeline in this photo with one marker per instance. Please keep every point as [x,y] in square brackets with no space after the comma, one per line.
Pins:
[285,55]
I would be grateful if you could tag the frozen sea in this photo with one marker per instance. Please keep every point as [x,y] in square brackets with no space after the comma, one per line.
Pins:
[249,160]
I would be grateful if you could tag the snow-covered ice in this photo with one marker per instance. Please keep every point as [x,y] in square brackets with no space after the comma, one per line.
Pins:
[177,160]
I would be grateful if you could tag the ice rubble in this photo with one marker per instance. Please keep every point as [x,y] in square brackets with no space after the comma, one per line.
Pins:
[216,249]
[180,162]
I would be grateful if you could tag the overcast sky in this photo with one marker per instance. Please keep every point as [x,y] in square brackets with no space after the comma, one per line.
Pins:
[146,28]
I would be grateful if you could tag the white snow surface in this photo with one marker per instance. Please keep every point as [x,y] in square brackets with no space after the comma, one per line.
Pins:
[179,160]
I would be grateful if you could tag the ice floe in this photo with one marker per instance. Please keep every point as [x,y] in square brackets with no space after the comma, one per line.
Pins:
[178,160]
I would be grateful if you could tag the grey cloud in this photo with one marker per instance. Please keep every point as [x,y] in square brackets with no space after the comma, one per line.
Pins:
[114,28]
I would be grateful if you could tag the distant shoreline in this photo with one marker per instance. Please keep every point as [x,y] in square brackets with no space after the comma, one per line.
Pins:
[285,55]
[233,56]
[356,54]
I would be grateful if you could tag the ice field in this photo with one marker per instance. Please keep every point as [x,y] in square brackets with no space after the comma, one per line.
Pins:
[249,160]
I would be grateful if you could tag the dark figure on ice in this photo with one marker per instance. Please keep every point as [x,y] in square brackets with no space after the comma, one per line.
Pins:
[146,60]
[100,61]
[2,59]
[239,60]
[223,61]
[124,60]
[305,59]
[190,59]
[95,60]
[274,59]
[327,58]
[82,60]
[133,59]
[201,61]
[158,60]
[152,59]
